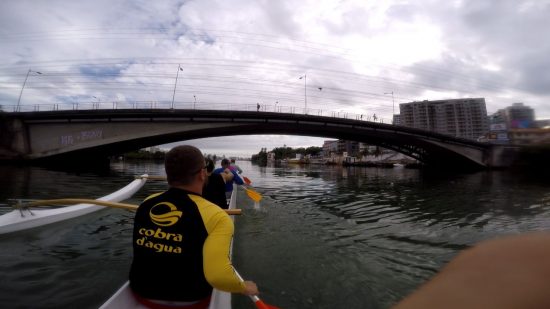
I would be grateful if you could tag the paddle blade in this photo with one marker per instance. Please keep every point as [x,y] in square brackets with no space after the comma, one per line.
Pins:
[255,196]
[261,305]
[246,180]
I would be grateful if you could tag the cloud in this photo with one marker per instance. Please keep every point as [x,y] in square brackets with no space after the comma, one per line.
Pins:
[240,53]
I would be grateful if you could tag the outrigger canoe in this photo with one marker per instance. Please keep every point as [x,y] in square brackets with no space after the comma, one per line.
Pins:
[124,298]
[23,219]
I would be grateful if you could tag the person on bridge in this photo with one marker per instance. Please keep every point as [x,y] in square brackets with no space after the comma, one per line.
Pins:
[181,241]
[225,164]
[214,189]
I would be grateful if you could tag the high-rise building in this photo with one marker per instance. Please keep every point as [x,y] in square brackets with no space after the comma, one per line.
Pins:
[351,148]
[517,116]
[466,118]
[397,119]
[330,147]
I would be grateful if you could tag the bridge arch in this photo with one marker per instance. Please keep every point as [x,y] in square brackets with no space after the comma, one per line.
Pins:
[99,133]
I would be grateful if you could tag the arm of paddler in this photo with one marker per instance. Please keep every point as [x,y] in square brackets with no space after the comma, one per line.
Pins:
[218,269]
[238,180]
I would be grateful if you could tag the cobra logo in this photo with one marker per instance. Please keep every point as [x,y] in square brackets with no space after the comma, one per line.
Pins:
[165,214]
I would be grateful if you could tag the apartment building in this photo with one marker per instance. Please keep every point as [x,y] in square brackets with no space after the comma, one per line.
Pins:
[466,118]
[517,116]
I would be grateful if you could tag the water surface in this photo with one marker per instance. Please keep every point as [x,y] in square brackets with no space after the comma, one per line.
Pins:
[323,237]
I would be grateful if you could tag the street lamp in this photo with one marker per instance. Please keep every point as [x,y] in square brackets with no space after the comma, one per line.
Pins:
[393,105]
[392,100]
[175,84]
[305,91]
[26,77]
[96,104]
[194,103]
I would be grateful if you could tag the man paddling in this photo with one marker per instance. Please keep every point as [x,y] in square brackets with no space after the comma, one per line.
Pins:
[181,241]
[236,178]
[214,188]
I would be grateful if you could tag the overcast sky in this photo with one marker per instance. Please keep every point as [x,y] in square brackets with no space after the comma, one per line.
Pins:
[234,54]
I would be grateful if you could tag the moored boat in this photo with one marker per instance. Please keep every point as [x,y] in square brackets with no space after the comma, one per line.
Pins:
[124,298]
[22,219]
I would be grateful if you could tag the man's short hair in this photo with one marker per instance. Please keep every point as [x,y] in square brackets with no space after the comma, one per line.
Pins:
[182,163]
[225,162]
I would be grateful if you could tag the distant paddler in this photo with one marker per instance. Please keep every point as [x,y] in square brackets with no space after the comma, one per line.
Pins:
[225,168]
[214,188]
[235,167]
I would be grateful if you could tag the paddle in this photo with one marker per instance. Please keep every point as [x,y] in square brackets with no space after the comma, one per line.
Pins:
[259,303]
[65,201]
[153,177]
[255,196]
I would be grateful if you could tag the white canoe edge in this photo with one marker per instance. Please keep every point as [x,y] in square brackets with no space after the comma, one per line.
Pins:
[17,220]
[124,299]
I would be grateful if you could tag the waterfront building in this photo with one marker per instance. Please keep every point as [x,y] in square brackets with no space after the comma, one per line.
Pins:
[330,147]
[270,157]
[517,116]
[466,118]
[542,123]
[351,148]
[529,136]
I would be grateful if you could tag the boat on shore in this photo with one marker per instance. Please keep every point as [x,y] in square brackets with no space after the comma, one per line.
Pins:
[123,298]
[24,218]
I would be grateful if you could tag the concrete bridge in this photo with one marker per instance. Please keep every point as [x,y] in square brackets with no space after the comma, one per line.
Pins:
[82,135]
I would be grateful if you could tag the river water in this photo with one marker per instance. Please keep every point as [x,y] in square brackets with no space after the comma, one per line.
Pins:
[322,237]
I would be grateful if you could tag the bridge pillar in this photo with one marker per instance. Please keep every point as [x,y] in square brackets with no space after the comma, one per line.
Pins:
[14,143]
[503,156]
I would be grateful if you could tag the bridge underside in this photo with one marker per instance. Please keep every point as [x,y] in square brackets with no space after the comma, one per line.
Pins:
[88,137]
[424,151]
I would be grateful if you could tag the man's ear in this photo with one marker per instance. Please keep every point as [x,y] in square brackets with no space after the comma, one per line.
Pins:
[203,175]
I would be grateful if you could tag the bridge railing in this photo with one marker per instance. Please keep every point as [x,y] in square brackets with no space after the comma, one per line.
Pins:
[190,106]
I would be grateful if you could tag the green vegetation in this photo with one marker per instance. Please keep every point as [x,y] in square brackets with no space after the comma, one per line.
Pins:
[284,153]
[144,155]
[156,154]
[288,152]
[260,158]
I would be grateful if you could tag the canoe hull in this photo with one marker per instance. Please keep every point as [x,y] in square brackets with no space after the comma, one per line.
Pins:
[17,220]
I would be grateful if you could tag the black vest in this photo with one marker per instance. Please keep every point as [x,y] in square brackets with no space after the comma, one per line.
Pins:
[168,239]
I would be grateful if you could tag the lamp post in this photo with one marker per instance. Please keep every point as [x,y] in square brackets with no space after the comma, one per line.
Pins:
[96,104]
[393,104]
[392,100]
[194,103]
[305,92]
[25,82]
[175,84]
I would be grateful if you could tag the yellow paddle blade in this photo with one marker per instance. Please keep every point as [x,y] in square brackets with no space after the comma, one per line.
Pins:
[255,196]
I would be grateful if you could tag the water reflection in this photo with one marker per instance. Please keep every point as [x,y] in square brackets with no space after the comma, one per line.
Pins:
[323,236]
[384,231]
